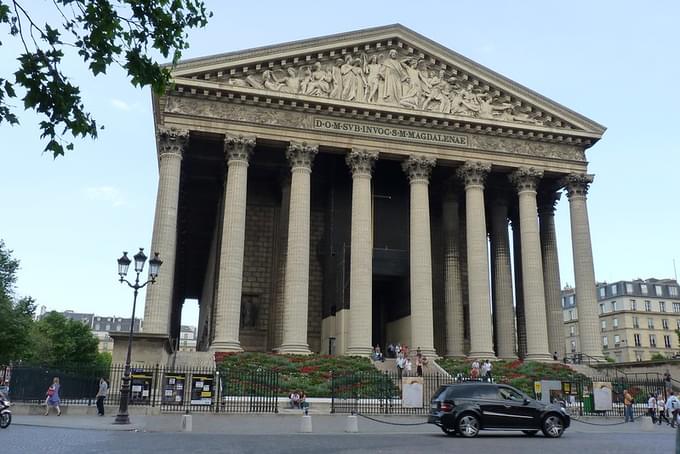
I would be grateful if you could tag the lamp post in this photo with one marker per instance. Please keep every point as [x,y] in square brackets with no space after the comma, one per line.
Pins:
[123,265]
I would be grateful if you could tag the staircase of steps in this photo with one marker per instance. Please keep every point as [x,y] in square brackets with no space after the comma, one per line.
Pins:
[432,368]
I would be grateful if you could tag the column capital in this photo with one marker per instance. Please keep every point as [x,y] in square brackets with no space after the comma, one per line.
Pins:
[301,155]
[577,184]
[547,200]
[526,178]
[238,148]
[361,162]
[172,140]
[473,173]
[418,167]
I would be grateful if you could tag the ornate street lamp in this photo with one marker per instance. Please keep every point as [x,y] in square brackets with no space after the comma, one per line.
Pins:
[123,264]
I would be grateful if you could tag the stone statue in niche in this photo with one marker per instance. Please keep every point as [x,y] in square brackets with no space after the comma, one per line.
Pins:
[249,311]
[397,78]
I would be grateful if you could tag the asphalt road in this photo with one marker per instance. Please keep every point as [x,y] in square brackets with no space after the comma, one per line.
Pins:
[29,440]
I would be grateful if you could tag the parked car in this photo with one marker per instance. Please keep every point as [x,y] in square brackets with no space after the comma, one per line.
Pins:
[466,408]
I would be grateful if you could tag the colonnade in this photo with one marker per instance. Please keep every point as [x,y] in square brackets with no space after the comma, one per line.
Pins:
[537,282]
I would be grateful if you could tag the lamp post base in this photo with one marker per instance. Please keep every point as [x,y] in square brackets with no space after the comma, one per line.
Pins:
[122,419]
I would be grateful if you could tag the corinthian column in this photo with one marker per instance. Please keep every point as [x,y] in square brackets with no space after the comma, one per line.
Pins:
[453,296]
[576,186]
[171,144]
[230,276]
[526,181]
[418,170]
[361,255]
[473,175]
[502,279]
[551,271]
[296,291]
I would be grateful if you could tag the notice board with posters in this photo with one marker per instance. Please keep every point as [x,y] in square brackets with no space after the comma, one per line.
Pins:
[202,389]
[141,386]
[173,389]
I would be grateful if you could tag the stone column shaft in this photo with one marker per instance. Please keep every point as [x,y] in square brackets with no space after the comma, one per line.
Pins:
[551,274]
[526,180]
[230,276]
[418,169]
[453,296]
[584,271]
[520,325]
[361,254]
[502,281]
[481,325]
[171,144]
[296,291]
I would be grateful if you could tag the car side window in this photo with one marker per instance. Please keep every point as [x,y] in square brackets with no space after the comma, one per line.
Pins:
[510,394]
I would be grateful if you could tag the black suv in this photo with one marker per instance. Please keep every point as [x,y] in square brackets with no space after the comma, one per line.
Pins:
[467,408]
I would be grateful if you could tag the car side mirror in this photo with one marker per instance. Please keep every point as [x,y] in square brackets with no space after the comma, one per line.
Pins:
[526,401]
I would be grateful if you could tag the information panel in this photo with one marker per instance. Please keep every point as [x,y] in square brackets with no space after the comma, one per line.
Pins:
[202,389]
[141,386]
[173,389]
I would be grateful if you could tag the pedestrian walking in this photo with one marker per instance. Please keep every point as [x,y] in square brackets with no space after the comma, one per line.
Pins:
[487,371]
[102,392]
[52,399]
[627,406]
[672,407]
[651,407]
[661,410]
[419,365]
[400,365]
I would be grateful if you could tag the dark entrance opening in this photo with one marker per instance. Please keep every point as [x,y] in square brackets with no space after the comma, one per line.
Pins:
[390,303]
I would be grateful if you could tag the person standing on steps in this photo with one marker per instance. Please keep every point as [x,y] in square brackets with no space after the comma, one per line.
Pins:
[627,406]
[52,399]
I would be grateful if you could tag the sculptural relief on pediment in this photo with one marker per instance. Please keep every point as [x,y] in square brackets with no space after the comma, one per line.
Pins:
[397,78]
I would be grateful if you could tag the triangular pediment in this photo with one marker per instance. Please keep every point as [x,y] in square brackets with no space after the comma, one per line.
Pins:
[390,68]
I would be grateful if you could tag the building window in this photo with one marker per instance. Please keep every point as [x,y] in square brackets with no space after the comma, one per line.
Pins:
[658,290]
[572,330]
[643,289]
[605,342]
[673,291]
[604,325]
[614,308]
[613,289]
[636,322]
[572,315]
[108,326]
[650,323]
[633,305]
[615,323]
[667,341]
[96,326]
[648,306]
[602,291]
[662,306]
[617,340]
[638,356]
[636,338]
[664,323]
[652,340]
[677,323]
[676,307]
[573,346]
[603,308]
[629,288]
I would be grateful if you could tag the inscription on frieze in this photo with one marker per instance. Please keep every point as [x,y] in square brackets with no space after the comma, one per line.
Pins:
[390,132]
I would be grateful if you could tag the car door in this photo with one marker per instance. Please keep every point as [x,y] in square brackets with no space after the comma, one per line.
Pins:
[516,412]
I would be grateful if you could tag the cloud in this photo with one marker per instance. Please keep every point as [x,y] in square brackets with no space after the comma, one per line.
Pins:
[105,194]
[122,105]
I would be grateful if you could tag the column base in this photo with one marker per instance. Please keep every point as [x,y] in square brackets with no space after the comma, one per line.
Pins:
[359,351]
[225,346]
[483,355]
[541,357]
[508,357]
[294,349]
[457,355]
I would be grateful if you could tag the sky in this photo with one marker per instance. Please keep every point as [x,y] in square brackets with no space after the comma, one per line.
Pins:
[616,62]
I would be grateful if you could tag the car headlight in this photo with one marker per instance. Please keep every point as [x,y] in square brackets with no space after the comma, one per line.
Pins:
[564,410]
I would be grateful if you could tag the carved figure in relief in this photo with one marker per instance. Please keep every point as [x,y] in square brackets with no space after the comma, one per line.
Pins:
[416,85]
[487,106]
[291,82]
[439,91]
[371,67]
[320,83]
[270,81]
[305,79]
[353,81]
[392,74]
[336,79]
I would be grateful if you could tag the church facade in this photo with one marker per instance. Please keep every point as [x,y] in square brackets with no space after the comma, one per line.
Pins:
[367,188]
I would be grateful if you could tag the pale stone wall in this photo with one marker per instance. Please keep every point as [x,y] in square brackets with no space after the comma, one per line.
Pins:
[207,300]
[335,326]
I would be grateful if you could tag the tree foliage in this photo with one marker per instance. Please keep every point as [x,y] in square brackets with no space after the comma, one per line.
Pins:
[102,32]
[61,342]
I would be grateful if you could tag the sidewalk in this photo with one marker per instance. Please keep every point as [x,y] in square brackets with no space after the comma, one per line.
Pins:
[289,424]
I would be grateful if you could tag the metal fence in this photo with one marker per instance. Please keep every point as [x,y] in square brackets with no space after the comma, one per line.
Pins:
[581,400]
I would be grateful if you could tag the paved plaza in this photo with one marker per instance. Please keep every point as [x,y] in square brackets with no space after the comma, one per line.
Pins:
[276,433]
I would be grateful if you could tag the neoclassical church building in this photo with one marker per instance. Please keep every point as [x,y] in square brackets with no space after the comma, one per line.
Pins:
[330,194]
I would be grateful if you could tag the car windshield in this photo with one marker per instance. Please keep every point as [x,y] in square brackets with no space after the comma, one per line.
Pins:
[510,394]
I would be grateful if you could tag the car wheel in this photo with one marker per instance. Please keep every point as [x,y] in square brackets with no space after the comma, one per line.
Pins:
[451,432]
[530,433]
[5,420]
[468,425]
[553,427]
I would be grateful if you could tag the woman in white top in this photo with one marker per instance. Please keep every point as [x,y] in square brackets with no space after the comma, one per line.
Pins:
[661,410]
[651,407]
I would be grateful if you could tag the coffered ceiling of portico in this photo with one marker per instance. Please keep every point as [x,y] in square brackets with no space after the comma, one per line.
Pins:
[387,73]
